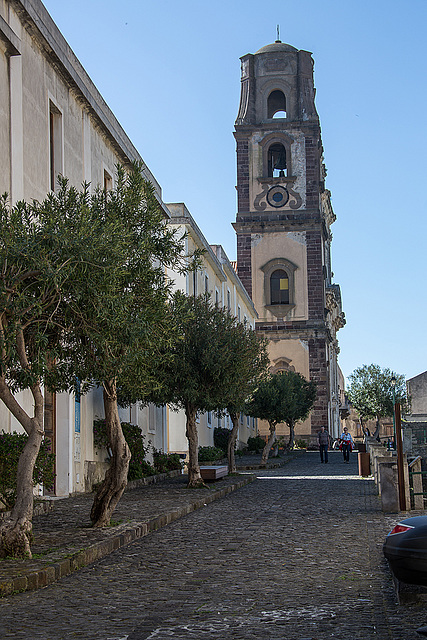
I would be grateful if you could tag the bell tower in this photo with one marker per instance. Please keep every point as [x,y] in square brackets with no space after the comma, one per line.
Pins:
[283,223]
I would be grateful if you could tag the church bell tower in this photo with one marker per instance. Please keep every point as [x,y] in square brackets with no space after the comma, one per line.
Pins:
[283,223]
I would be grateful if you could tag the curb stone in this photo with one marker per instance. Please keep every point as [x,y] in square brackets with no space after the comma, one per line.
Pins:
[122,536]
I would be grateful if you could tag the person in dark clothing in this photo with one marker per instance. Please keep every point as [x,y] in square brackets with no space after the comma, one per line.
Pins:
[323,441]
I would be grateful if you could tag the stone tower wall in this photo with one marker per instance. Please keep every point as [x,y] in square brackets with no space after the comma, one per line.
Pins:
[292,236]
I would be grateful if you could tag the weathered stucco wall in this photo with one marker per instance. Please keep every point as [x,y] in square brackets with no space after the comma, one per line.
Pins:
[417,389]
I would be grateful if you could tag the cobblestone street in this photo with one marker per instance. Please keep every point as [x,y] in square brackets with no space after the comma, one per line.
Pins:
[295,555]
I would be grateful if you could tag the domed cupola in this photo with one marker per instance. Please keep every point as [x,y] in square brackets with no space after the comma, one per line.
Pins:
[277,79]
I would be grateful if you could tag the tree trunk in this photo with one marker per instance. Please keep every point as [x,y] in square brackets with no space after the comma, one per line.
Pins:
[16,531]
[194,477]
[291,426]
[377,430]
[269,444]
[115,481]
[232,442]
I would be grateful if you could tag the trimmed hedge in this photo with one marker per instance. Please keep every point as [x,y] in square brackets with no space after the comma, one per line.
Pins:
[11,447]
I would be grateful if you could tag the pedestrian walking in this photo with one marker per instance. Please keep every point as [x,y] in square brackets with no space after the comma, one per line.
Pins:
[347,444]
[323,441]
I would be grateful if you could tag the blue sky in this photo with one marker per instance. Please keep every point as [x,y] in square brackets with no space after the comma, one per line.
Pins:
[170,72]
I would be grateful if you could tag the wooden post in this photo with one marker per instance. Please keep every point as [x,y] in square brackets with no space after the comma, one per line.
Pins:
[399,447]
[417,483]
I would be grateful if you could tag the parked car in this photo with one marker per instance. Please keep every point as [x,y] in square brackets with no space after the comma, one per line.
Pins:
[406,550]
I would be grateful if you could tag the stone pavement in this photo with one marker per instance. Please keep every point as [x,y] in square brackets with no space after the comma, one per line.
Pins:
[294,555]
[64,540]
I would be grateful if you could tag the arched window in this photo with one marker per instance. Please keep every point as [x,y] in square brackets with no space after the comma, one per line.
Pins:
[279,287]
[276,104]
[277,161]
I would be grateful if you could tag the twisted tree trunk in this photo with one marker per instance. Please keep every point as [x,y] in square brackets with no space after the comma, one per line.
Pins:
[269,444]
[291,426]
[115,481]
[376,433]
[232,442]
[194,476]
[16,531]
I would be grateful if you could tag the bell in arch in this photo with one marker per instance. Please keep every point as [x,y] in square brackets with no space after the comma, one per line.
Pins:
[280,163]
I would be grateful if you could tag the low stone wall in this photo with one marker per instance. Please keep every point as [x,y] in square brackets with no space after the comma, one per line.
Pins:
[384,470]
[40,507]
[94,473]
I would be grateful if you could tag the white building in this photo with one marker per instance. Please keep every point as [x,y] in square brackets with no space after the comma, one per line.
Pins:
[218,278]
[54,121]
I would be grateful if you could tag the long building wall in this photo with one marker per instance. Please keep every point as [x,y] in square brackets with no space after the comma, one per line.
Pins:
[54,121]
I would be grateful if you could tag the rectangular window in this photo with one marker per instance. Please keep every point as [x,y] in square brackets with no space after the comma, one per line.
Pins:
[206,284]
[55,145]
[152,418]
[194,283]
[77,410]
[238,313]
[228,300]
[216,296]
[209,418]
[108,181]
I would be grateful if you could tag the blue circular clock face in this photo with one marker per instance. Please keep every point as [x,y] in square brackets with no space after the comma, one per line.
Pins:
[277,196]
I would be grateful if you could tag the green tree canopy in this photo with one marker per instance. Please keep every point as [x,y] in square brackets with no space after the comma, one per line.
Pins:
[283,397]
[117,310]
[371,392]
[82,294]
[251,361]
[210,356]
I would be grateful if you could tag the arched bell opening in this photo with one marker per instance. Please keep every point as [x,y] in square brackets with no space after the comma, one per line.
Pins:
[277,166]
[276,104]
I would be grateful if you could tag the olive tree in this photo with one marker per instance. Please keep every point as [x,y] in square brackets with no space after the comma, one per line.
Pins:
[250,367]
[39,255]
[118,314]
[203,365]
[283,397]
[82,295]
[371,392]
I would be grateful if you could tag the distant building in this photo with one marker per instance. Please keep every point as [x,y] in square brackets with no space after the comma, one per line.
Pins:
[283,224]
[417,391]
[416,420]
